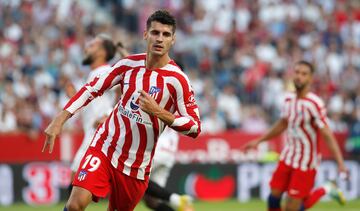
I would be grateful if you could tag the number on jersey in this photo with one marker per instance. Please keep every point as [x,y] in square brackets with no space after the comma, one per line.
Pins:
[92,161]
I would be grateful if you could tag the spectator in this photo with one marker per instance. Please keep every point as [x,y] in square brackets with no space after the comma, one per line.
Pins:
[255,121]
[7,119]
[213,122]
[230,105]
[233,49]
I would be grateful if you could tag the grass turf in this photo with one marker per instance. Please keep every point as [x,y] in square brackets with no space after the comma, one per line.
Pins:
[254,205]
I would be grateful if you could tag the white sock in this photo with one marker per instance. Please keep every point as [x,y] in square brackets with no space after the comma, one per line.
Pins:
[327,187]
[175,200]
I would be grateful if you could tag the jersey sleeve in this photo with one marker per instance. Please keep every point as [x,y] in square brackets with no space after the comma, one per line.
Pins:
[320,116]
[96,87]
[284,110]
[187,121]
[285,106]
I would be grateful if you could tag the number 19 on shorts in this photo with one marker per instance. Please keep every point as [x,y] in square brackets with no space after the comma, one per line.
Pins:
[92,161]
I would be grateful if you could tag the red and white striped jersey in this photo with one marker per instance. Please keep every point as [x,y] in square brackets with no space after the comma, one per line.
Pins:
[305,117]
[128,137]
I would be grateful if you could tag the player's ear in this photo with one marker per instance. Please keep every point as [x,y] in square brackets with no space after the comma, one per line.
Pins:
[145,34]
[173,39]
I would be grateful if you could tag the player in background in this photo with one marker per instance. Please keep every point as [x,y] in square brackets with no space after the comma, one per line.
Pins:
[303,116]
[98,52]
[163,161]
[153,88]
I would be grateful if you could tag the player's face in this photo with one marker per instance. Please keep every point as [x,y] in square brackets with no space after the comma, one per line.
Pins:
[92,50]
[303,77]
[160,38]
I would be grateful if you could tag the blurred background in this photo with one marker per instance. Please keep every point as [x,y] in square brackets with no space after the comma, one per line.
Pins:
[238,55]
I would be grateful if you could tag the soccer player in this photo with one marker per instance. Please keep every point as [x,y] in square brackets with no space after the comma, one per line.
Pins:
[153,88]
[303,116]
[98,52]
[164,160]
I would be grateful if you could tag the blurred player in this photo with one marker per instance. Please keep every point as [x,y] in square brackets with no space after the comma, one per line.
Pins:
[303,117]
[153,88]
[163,161]
[98,52]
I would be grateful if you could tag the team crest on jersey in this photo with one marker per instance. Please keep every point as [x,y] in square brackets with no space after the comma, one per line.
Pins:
[154,91]
[82,175]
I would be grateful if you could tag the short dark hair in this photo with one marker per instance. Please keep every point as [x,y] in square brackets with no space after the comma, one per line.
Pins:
[308,64]
[108,45]
[162,16]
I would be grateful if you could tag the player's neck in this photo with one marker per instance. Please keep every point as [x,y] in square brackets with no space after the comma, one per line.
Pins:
[154,61]
[97,63]
[302,93]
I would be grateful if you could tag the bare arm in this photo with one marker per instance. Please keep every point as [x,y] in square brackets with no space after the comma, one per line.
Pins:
[54,129]
[122,50]
[334,148]
[274,131]
[165,116]
[69,89]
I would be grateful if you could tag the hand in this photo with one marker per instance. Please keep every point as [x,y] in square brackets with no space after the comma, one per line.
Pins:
[147,103]
[122,50]
[343,172]
[51,132]
[98,122]
[251,145]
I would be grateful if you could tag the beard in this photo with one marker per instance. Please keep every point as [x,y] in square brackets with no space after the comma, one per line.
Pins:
[299,87]
[88,60]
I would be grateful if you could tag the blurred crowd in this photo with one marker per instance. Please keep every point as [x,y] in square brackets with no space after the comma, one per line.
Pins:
[238,54]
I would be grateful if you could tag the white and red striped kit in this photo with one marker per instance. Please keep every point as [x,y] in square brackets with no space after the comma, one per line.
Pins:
[305,117]
[128,137]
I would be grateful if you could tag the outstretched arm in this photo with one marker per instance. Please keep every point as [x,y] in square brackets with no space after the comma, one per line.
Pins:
[274,131]
[54,129]
[85,95]
[334,148]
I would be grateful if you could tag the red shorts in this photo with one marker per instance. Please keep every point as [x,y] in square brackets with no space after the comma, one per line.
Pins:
[97,175]
[295,182]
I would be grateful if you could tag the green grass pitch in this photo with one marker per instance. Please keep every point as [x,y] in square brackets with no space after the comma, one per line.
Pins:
[231,205]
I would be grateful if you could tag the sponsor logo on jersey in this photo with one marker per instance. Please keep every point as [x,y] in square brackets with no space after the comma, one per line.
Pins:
[191,98]
[133,105]
[133,116]
[153,92]
[82,175]
[191,101]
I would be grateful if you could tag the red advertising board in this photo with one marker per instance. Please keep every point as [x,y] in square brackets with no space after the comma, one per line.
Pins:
[219,148]
[21,148]
[228,147]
